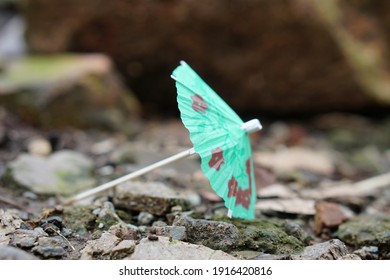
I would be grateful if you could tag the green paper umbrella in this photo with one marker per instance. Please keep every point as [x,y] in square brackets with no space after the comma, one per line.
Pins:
[219,136]
[221,139]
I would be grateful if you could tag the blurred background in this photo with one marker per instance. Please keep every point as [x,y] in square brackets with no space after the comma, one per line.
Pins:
[86,96]
[267,58]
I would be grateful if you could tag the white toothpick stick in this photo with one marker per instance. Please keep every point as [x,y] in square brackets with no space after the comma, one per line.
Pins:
[130,176]
[249,127]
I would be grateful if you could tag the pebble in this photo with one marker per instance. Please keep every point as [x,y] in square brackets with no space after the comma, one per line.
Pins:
[145,218]
[123,249]
[51,247]
[100,247]
[330,215]
[368,253]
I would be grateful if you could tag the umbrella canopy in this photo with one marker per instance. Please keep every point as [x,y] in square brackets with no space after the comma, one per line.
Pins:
[221,139]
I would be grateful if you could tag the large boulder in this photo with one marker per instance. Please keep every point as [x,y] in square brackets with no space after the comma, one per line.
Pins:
[310,55]
[67,90]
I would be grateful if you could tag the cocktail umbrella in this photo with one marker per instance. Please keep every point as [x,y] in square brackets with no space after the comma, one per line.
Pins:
[221,139]
[219,136]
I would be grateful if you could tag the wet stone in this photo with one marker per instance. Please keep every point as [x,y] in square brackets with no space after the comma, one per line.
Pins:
[217,235]
[153,197]
[331,250]
[51,247]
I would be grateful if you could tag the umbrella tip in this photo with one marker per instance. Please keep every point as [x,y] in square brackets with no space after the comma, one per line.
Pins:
[252,126]
[182,62]
[173,77]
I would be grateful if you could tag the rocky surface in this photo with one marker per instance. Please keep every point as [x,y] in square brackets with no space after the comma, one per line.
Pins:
[300,214]
[155,198]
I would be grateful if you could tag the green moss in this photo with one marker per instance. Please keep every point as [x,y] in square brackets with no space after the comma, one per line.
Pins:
[365,230]
[79,219]
[264,235]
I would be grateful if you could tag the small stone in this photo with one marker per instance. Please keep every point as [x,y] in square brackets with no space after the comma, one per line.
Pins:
[177,233]
[51,247]
[26,238]
[368,253]
[330,215]
[124,231]
[123,249]
[100,247]
[331,250]
[145,218]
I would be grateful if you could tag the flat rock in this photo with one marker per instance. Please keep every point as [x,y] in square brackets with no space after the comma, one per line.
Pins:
[65,172]
[9,222]
[63,90]
[163,249]
[217,235]
[367,230]
[27,238]
[291,159]
[154,197]
[123,249]
[294,205]
[50,247]
[331,250]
